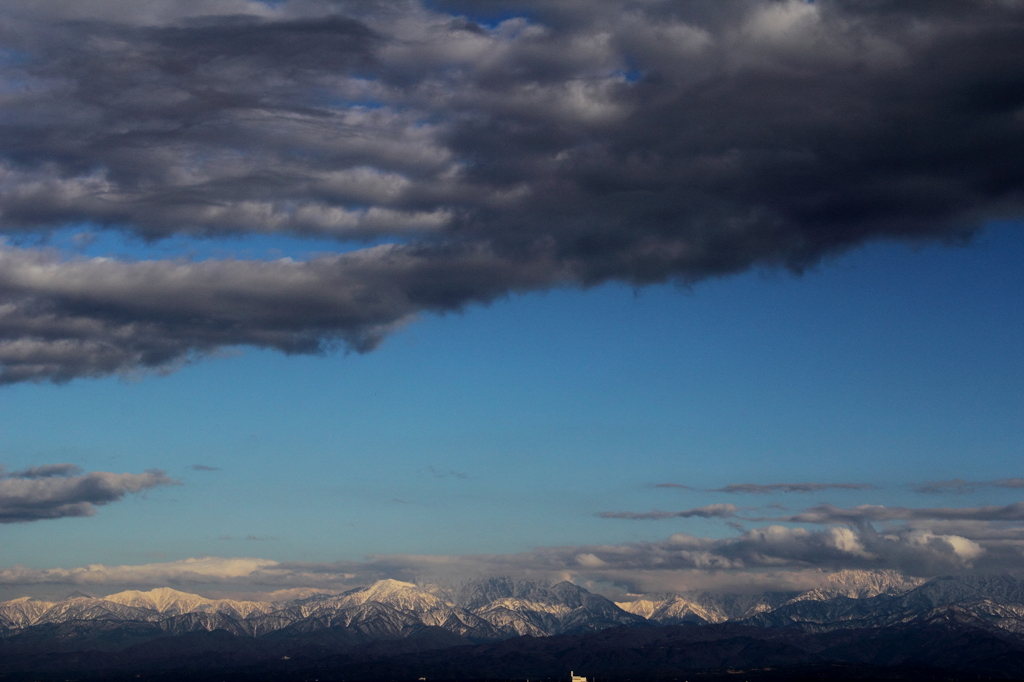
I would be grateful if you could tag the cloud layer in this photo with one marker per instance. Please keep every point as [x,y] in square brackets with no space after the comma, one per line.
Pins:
[764,489]
[55,491]
[564,145]
[706,512]
[784,554]
[866,513]
[959,486]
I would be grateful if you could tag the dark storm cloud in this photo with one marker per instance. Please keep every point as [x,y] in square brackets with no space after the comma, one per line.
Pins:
[763,489]
[60,495]
[567,144]
[705,512]
[89,317]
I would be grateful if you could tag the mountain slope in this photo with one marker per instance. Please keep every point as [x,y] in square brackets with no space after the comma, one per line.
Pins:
[535,607]
[996,600]
[672,610]
[938,647]
[172,602]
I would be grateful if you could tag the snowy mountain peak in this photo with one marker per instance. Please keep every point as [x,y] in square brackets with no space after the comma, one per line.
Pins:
[672,610]
[641,607]
[161,599]
[390,585]
[479,593]
[169,601]
[22,612]
[395,593]
[861,585]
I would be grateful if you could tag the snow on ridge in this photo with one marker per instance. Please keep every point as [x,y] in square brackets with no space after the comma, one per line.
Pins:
[861,585]
[672,610]
[507,608]
[169,601]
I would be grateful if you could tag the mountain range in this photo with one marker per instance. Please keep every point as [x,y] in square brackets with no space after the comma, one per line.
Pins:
[493,621]
[480,611]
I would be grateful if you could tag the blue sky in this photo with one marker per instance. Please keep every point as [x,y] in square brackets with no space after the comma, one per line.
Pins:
[395,289]
[510,426]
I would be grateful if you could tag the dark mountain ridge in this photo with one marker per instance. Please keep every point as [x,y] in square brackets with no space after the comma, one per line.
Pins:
[932,648]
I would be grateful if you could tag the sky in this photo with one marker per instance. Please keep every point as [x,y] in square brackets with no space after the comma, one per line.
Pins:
[650,296]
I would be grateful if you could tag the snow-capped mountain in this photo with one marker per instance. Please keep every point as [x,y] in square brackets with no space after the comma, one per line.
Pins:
[540,608]
[388,609]
[89,609]
[22,612]
[401,595]
[672,610]
[712,607]
[861,585]
[995,600]
[863,614]
[707,607]
[501,608]
[172,602]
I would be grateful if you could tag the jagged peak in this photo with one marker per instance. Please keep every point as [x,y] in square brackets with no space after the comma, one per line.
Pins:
[880,578]
[860,584]
[396,593]
[639,607]
[390,584]
[517,604]
[473,594]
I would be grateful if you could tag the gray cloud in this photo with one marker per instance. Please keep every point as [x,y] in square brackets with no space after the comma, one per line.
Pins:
[760,489]
[54,492]
[45,471]
[721,511]
[89,317]
[204,467]
[771,557]
[826,513]
[958,486]
[441,473]
[921,542]
[1016,483]
[565,146]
